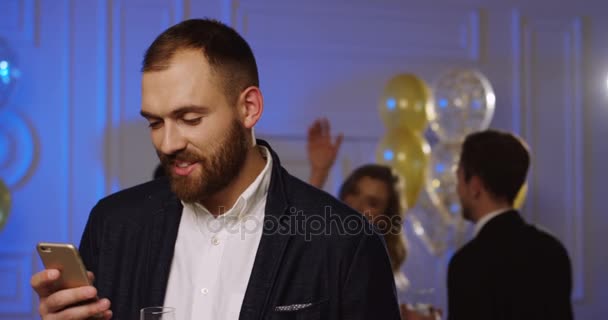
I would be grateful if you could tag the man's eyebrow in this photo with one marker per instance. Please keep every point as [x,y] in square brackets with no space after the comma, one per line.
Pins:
[148,115]
[177,112]
[188,109]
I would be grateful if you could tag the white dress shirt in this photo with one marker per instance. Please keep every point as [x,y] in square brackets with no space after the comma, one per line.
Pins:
[214,257]
[485,219]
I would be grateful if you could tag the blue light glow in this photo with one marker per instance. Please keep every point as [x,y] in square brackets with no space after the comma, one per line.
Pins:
[391,103]
[443,103]
[388,155]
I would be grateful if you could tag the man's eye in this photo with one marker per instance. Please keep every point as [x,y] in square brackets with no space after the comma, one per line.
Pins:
[154,124]
[193,121]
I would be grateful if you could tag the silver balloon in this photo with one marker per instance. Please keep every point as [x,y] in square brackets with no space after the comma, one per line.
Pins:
[427,224]
[442,181]
[464,103]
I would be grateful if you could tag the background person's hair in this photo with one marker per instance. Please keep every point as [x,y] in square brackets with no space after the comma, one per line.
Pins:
[228,54]
[393,215]
[499,159]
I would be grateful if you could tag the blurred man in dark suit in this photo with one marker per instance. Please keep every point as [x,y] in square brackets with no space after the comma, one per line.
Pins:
[510,270]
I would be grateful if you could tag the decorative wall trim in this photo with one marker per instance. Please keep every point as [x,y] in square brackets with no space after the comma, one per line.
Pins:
[15,272]
[20,20]
[453,34]
[67,132]
[525,33]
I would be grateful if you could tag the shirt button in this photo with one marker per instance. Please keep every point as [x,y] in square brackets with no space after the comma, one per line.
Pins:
[215,241]
[204,291]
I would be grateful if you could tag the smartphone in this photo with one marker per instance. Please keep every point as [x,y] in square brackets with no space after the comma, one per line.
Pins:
[65,258]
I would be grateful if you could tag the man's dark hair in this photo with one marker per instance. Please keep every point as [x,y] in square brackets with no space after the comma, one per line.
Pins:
[228,54]
[499,159]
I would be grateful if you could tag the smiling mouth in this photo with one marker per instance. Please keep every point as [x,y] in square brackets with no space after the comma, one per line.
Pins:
[183,168]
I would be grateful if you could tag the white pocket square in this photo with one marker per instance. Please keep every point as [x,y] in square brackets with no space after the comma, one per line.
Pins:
[293,307]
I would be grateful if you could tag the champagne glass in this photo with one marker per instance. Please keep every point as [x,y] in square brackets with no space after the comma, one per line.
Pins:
[157,313]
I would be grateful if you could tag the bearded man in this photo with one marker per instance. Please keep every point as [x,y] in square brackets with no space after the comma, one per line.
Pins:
[228,233]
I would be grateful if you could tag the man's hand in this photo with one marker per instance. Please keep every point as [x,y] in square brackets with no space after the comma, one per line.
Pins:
[67,303]
[322,151]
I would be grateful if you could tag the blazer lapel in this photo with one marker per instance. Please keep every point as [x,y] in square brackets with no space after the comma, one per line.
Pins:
[271,248]
[161,237]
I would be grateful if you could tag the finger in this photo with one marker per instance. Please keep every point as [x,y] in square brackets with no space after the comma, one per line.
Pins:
[44,281]
[103,315]
[325,130]
[315,128]
[91,276]
[64,298]
[85,311]
[319,123]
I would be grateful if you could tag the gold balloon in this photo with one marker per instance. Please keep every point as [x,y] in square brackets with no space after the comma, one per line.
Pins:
[520,198]
[408,154]
[404,103]
[5,204]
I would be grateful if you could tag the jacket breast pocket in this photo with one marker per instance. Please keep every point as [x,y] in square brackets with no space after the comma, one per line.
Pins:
[301,311]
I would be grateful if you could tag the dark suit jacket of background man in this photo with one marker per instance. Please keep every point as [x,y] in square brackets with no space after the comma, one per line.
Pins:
[130,236]
[511,270]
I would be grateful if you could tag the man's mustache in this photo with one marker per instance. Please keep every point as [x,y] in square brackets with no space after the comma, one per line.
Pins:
[182,156]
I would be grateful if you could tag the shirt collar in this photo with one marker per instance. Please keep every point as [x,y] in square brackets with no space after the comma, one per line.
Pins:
[246,202]
[485,219]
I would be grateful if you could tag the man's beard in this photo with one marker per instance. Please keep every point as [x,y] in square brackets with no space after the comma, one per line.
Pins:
[217,170]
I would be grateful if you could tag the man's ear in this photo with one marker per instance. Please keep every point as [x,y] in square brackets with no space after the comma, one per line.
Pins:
[251,106]
[476,186]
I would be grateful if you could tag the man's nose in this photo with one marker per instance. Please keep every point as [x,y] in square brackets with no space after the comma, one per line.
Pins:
[172,140]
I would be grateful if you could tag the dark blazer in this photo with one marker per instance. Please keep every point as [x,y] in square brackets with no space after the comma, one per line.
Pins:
[511,270]
[314,250]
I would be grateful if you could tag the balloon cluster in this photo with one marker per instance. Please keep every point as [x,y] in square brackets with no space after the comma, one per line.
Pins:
[403,108]
[462,101]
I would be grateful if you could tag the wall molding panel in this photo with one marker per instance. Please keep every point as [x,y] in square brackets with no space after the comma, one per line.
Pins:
[15,293]
[547,86]
[287,29]
[20,20]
